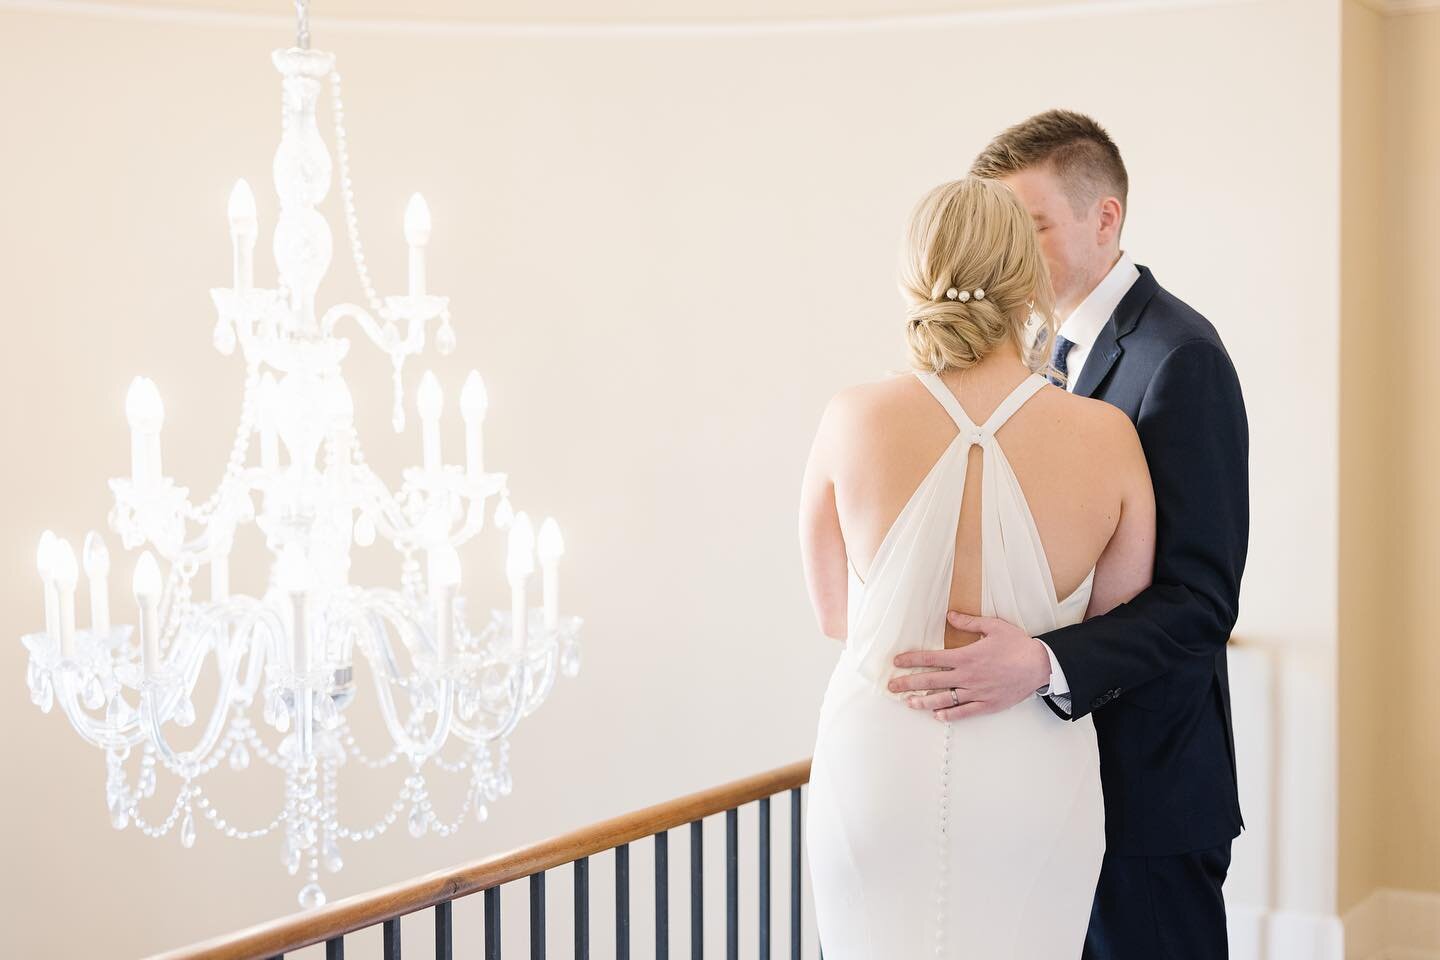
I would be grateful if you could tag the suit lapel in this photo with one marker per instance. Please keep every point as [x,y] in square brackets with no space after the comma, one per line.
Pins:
[1107,349]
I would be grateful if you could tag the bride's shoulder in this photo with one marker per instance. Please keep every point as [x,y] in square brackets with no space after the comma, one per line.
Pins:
[872,398]
[858,414]
[1094,424]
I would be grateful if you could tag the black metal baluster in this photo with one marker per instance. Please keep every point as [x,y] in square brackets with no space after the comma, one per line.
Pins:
[795,873]
[335,949]
[582,909]
[537,916]
[732,884]
[697,889]
[390,949]
[444,932]
[764,878]
[622,902]
[662,896]
[492,923]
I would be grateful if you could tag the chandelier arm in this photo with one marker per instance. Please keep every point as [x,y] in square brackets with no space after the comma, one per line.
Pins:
[476,735]
[98,734]
[375,646]
[387,514]
[210,621]
[389,518]
[386,337]
[254,673]
[544,681]
[154,712]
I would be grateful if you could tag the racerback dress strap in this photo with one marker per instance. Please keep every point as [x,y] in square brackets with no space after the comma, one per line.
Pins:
[1028,387]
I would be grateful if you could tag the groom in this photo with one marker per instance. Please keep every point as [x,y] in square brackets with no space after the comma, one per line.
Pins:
[1152,671]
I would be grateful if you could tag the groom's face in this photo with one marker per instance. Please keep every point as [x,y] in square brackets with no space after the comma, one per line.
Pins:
[1067,239]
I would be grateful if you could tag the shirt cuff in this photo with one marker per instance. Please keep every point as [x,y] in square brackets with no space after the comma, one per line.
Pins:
[1058,689]
[1058,685]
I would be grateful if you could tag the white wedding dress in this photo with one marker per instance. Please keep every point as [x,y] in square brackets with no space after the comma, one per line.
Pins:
[980,838]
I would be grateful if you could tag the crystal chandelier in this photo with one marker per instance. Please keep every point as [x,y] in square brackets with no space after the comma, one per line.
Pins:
[294,649]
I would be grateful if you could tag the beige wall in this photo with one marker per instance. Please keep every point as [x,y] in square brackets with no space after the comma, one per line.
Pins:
[1390,517]
[664,252]
[1367,434]
[1412,743]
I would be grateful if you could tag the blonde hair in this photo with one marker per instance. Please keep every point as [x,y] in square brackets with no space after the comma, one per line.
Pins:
[974,234]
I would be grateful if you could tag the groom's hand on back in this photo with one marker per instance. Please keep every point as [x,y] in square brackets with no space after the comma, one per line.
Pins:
[994,673]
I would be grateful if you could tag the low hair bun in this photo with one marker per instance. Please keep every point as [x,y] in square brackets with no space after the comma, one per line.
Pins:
[972,275]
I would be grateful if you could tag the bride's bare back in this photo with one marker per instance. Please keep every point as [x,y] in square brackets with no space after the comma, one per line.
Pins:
[1078,462]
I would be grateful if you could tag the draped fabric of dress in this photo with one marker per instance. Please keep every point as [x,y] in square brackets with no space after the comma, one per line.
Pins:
[980,838]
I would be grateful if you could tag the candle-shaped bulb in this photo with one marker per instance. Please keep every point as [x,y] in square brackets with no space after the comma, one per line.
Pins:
[417,221]
[243,229]
[97,556]
[67,572]
[146,415]
[241,210]
[551,547]
[146,582]
[63,566]
[146,587]
[143,406]
[474,401]
[45,556]
[444,567]
[551,544]
[97,569]
[520,562]
[430,399]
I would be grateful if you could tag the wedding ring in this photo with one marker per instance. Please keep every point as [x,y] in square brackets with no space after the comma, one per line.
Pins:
[955,695]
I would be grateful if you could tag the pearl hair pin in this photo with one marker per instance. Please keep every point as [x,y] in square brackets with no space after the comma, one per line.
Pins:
[964,295]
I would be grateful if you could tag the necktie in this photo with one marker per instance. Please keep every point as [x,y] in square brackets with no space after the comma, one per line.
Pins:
[1058,353]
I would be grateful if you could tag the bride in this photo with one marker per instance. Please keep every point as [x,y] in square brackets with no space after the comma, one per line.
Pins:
[970,484]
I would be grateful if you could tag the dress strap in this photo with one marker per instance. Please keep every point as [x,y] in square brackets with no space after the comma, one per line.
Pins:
[942,393]
[1028,387]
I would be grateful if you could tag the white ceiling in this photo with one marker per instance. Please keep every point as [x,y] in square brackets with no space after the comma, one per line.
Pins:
[593,11]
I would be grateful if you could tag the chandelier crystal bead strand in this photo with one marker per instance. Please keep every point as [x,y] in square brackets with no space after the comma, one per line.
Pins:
[296,478]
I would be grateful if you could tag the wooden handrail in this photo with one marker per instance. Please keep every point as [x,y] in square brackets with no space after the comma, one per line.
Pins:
[363,910]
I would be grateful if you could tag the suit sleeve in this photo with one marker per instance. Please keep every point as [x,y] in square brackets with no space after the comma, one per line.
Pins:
[1194,432]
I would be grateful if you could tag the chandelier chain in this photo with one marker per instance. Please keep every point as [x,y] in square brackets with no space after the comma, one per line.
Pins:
[302,24]
[347,193]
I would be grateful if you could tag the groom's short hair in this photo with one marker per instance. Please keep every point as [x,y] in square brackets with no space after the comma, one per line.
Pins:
[1075,147]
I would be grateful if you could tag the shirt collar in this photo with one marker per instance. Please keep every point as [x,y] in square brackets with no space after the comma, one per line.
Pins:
[1084,325]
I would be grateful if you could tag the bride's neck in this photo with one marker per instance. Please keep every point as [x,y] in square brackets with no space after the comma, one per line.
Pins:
[1001,370]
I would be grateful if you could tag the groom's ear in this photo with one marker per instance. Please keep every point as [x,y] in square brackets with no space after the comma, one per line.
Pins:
[1111,219]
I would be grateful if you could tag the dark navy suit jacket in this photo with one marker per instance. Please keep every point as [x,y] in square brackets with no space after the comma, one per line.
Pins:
[1152,672]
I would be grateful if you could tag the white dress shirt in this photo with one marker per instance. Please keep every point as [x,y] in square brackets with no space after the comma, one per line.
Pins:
[1082,328]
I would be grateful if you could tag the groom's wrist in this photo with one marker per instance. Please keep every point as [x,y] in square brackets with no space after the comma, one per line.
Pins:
[1040,661]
